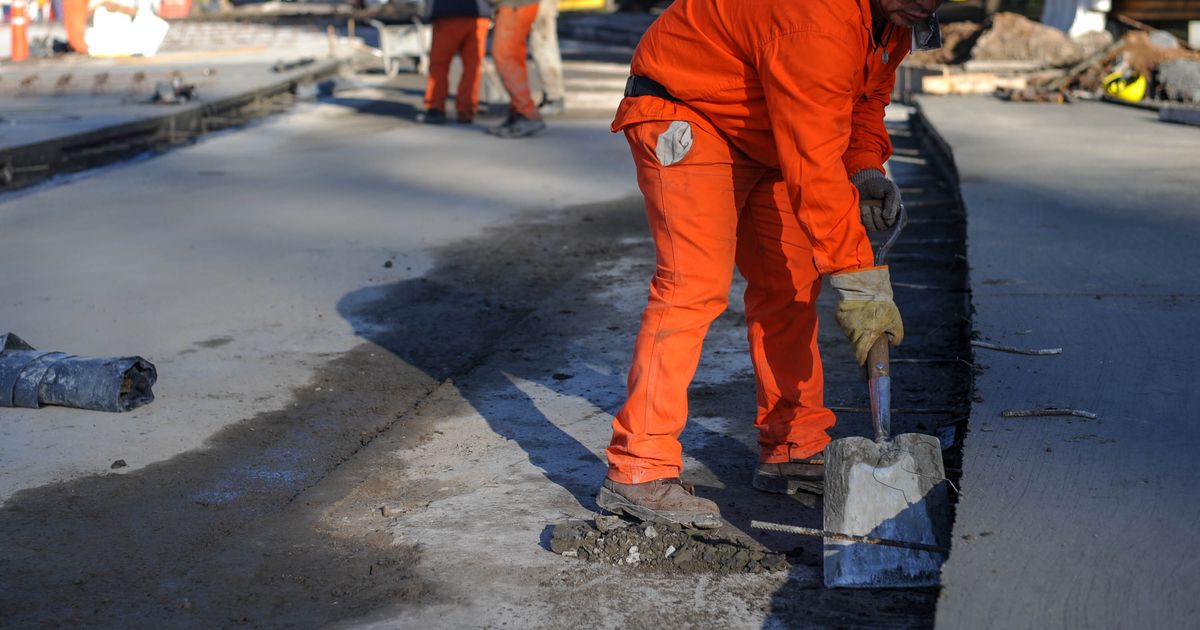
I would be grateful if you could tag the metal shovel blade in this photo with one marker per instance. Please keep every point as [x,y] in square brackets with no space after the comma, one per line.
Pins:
[890,489]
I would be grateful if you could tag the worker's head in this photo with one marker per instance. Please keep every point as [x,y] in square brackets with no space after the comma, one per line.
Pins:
[905,12]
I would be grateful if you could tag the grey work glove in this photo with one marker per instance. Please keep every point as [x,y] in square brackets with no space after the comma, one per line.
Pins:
[872,184]
[866,310]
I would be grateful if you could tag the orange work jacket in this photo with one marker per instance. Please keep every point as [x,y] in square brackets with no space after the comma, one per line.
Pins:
[798,85]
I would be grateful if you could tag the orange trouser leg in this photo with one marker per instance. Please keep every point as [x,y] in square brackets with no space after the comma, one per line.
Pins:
[448,36]
[782,283]
[707,210]
[474,46]
[509,49]
[75,19]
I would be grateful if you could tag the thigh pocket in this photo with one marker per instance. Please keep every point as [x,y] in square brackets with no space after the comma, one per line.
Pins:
[674,143]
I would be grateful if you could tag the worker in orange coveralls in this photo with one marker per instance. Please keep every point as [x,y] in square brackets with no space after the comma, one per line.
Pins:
[756,127]
[459,27]
[514,20]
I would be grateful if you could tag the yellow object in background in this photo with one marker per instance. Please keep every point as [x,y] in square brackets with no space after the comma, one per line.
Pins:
[1130,88]
[585,5]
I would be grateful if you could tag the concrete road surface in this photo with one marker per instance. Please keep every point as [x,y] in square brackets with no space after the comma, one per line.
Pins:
[1082,235]
[224,263]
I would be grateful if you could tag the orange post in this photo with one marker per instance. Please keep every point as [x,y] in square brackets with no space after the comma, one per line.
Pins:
[20,30]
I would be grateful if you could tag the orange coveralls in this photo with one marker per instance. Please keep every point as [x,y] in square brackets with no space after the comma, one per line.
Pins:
[466,37]
[75,21]
[784,100]
[509,49]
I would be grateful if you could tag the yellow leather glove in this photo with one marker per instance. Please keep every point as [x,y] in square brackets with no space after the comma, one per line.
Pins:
[866,309]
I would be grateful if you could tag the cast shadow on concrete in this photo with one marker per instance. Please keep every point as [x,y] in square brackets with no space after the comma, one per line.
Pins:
[374,107]
[473,319]
[470,319]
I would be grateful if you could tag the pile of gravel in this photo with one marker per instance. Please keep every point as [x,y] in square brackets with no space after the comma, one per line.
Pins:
[666,547]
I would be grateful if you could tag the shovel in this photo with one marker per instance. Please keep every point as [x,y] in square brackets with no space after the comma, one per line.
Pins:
[887,488]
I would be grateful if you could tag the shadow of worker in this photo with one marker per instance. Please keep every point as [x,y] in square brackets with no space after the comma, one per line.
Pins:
[454,327]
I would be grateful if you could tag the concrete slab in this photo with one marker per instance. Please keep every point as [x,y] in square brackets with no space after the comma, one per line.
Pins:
[232,288]
[100,97]
[1079,242]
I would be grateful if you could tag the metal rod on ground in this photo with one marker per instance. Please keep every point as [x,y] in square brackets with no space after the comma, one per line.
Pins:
[1015,350]
[1050,411]
[869,540]
[901,410]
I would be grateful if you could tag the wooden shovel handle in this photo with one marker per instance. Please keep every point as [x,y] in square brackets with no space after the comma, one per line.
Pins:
[878,362]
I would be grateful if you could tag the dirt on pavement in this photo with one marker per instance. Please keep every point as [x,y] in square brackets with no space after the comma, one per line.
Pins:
[661,546]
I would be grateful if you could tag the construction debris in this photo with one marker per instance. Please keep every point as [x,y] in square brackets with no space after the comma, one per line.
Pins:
[1180,80]
[29,378]
[970,83]
[663,547]
[1015,37]
[1018,59]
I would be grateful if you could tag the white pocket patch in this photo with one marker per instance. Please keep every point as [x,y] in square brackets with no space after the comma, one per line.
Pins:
[674,143]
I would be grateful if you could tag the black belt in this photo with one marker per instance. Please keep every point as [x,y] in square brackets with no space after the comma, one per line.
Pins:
[641,86]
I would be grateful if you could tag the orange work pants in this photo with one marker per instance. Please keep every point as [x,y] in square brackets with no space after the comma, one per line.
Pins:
[509,48]
[466,37]
[75,21]
[707,212]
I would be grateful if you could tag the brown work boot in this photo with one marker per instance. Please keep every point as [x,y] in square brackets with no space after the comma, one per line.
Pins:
[661,501]
[797,475]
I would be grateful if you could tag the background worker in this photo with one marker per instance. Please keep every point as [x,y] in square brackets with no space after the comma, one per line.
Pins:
[543,47]
[459,27]
[75,21]
[514,19]
[755,129]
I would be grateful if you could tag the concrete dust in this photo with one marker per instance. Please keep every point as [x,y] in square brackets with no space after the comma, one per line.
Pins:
[664,547]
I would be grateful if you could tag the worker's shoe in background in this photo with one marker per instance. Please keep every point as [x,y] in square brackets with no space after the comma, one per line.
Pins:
[797,475]
[554,107]
[517,126]
[432,117]
[662,500]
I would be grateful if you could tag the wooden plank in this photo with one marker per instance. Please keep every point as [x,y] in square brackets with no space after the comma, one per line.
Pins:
[969,83]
